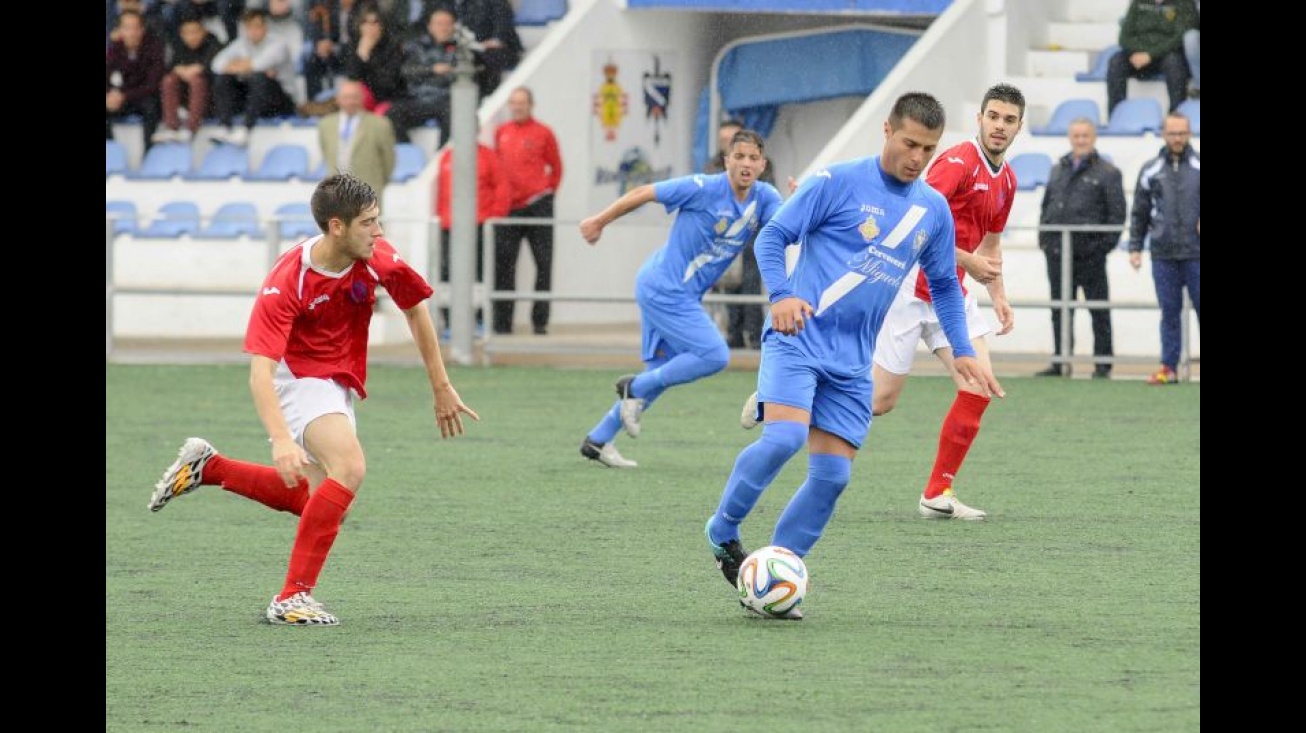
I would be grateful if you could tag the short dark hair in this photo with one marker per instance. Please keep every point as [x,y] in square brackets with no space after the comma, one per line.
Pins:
[731,122]
[251,14]
[918,106]
[747,136]
[342,196]
[1004,93]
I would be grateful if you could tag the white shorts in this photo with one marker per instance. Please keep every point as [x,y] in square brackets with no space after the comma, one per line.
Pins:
[911,319]
[305,399]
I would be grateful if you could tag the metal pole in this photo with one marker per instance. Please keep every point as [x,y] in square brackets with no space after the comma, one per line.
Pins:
[1066,294]
[464,97]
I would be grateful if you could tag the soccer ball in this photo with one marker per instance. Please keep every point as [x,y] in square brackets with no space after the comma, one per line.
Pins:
[772,581]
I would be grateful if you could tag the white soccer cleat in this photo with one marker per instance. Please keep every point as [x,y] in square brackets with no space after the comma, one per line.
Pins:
[948,506]
[606,454]
[185,473]
[300,609]
[631,407]
[748,417]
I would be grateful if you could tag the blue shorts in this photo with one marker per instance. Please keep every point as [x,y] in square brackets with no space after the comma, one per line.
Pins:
[840,405]
[671,326]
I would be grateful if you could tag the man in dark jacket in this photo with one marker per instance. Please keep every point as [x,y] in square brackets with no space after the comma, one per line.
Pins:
[1083,188]
[1167,213]
[1152,42]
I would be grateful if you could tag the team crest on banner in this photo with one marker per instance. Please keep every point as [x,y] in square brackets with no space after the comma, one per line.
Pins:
[629,150]
[657,95]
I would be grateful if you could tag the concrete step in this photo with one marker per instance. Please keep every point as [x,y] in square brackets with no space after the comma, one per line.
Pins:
[1082,36]
[1059,64]
[1096,11]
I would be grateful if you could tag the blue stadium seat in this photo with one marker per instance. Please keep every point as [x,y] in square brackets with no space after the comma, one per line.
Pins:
[233,219]
[1137,116]
[174,219]
[123,214]
[115,158]
[295,221]
[163,162]
[221,163]
[1032,170]
[1067,111]
[1192,109]
[409,161]
[540,12]
[282,162]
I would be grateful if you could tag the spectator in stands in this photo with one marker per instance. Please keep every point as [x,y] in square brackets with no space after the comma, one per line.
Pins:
[227,12]
[493,195]
[133,70]
[1167,216]
[376,58]
[1082,188]
[356,141]
[494,24]
[743,322]
[189,81]
[428,73]
[1152,41]
[1193,53]
[406,19]
[254,78]
[327,31]
[529,154]
[152,12]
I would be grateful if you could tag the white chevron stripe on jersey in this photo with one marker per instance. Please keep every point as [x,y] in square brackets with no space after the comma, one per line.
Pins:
[850,280]
[738,226]
[742,221]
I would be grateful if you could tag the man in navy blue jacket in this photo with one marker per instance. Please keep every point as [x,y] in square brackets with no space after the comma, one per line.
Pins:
[1167,214]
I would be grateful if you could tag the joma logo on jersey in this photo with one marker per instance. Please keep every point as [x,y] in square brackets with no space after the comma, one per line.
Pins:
[871,209]
[981,186]
[318,301]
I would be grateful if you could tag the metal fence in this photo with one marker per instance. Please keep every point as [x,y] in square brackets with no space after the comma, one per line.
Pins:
[485,296]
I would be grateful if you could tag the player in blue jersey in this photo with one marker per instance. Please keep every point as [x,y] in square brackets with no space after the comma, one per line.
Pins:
[716,216]
[862,226]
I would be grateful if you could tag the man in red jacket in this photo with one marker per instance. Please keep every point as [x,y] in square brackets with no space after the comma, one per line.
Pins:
[529,157]
[492,199]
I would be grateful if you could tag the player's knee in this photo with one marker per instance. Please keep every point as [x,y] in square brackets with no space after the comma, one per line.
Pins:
[717,358]
[350,473]
[832,471]
[784,437]
[883,404]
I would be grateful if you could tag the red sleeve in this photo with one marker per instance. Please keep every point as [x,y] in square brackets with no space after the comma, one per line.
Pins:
[275,308]
[554,158]
[404,284]
[947,174]
[502,189]
[442,193]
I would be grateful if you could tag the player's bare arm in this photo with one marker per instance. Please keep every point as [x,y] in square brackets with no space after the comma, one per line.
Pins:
[790,315]
[449,407]
[991,249]
[592,228]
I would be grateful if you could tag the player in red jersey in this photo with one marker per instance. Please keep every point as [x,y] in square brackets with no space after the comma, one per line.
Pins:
[980,187]
[307,340]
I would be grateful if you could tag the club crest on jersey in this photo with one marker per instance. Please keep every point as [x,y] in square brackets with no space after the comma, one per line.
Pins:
[919,242]
[869,229]
[721,226]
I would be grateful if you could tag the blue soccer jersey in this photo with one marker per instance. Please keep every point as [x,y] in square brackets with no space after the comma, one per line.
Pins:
[710,229]
[861,231]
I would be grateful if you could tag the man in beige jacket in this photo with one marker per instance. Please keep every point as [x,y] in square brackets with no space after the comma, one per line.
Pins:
[356,140]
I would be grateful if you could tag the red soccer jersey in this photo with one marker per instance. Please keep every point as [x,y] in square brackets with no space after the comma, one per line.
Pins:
[980,198]
[317,321]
